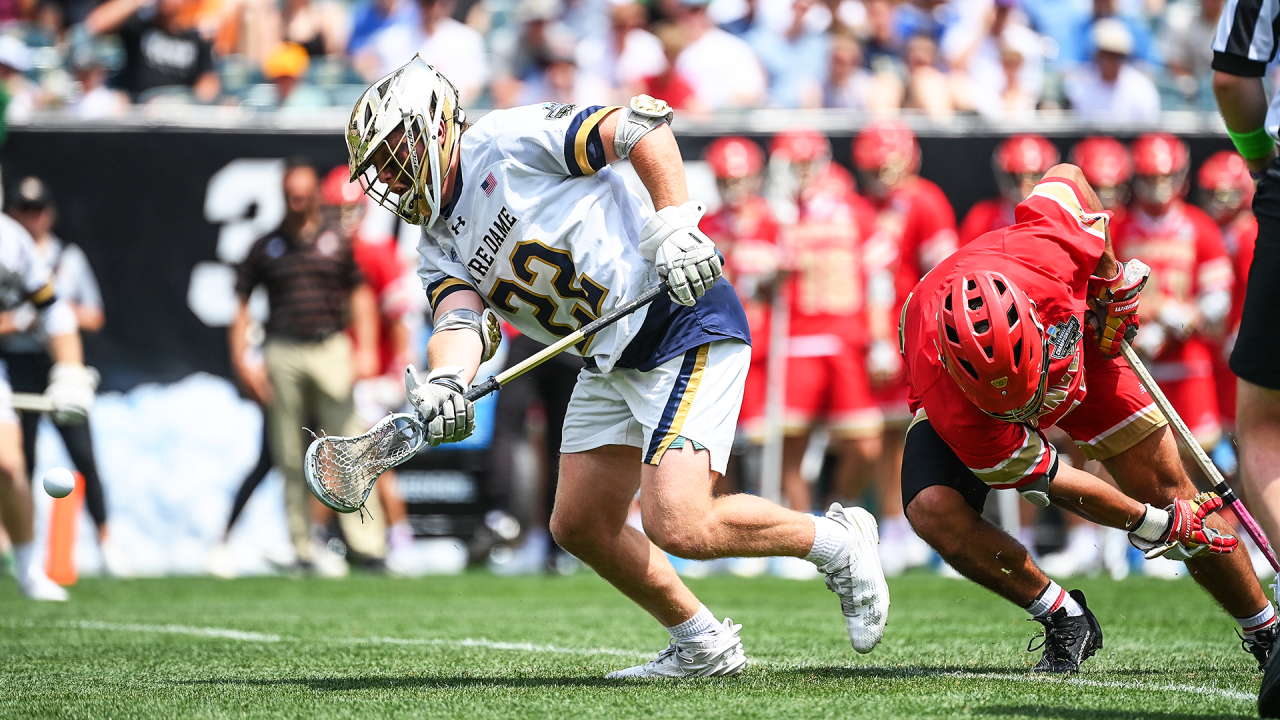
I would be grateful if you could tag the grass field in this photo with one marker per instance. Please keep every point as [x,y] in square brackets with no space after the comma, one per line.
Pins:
[481,646]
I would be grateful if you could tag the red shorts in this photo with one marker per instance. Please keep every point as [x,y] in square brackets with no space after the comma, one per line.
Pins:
[892,400]
[1116,412]
[1187,378]
[831,389]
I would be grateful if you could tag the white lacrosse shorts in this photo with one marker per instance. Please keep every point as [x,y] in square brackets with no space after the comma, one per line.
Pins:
[695,395]
[8,415]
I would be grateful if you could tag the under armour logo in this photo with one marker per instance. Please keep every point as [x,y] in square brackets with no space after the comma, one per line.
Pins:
[457,227]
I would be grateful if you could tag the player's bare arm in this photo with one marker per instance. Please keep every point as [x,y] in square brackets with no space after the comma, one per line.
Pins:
[1243,102]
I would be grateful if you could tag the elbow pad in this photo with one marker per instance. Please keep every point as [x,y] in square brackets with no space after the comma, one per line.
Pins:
[484,324]
[643,117]
[1037,493]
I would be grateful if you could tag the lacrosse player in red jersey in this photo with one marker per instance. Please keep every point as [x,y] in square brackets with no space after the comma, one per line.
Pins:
[826,225]
[1017,332]
[915,230]
[24,277]
[522,218]
[1189,297]
[1226,195]
[1019,162]
[1107,167]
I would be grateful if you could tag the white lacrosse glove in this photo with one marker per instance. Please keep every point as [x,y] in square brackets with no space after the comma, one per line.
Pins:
[884,362]
[71,390]
[685,257]
[1180,319]
[448,415]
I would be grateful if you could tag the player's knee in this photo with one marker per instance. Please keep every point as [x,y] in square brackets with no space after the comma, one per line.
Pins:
[932,514]
[687,541]
[573,532]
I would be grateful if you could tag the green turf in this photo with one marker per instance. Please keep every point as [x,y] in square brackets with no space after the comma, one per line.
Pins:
[369,647]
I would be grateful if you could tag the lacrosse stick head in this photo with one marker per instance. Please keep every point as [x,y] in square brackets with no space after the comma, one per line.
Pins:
[341,471]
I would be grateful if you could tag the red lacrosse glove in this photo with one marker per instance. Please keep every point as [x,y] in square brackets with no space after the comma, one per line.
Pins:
[1187,536]
[1113,305]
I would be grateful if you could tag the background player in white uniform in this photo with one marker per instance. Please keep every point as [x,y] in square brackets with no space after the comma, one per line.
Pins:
[522,214]
[24,277]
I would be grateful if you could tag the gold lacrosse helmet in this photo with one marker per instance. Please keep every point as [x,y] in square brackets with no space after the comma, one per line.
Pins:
[401,137]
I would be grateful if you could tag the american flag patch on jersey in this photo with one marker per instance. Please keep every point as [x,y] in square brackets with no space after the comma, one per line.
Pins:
[488,185]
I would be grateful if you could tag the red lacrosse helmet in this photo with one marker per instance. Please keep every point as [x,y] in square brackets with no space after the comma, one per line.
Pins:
[800,145]
[1107,165]
[994,346]
[1020,162]
[1226,186]
[337,188]
[1160,163]
[885,153]
[734,157]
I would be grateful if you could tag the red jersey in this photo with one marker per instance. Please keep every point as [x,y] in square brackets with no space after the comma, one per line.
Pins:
[1188,261]
[386,277]
[1239,237]
[825,250]
[748,239]
[1049,254]
[915,230]
[986,216]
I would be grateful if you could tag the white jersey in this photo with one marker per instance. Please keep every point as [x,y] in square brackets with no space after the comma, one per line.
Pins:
[549,236]
[25,277]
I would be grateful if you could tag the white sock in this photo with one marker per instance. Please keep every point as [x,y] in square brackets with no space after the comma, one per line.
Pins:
[1254,623]
[24,555]
[1052,598]
[400,535]
[698,627]
[830,541]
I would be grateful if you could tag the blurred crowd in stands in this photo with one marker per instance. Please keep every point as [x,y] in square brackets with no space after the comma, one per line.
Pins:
[1118,60]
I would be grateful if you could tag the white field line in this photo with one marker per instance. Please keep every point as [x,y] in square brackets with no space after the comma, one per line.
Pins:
[905,673]
[177,630]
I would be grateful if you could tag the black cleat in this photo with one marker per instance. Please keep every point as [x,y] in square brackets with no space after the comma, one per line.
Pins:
[1269,694]
[1261,644]
[1068,641]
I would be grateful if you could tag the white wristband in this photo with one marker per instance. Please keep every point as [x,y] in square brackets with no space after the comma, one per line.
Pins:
[1153,526]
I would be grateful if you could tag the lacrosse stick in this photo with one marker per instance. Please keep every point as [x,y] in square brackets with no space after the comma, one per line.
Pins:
[31,402]
[341,471]
[1210,470]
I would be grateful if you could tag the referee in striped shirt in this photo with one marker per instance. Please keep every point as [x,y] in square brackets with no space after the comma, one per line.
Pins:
[1243,46]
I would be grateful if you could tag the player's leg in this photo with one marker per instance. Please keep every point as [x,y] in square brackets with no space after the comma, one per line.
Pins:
[332,374]
[1258,428]
[1151,471]
[944,502]
[555,382]
[17,510]
[688,434]
[286,415]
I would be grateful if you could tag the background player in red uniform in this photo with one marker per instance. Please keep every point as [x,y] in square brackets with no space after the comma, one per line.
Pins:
[1226,195]
[999,347]
[746,232]
[1108,167]
[915,230]
[1189,296]
[825,225]
[1019,162]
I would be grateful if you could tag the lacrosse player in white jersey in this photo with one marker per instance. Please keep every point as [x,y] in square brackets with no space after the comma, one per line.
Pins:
[522,218]
[24,277]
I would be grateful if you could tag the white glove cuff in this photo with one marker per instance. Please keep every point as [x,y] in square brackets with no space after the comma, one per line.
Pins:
[450,377]
[666,221]
[74,373]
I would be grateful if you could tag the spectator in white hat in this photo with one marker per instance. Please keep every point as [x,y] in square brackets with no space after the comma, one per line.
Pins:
[1110,88]
[23,95]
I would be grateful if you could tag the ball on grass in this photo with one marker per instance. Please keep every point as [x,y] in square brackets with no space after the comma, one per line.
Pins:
[59,482]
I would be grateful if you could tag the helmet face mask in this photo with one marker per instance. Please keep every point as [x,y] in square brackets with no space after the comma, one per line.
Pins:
[1226,188]
[1019,163]
[1156,193]
[402,139]
[736,191]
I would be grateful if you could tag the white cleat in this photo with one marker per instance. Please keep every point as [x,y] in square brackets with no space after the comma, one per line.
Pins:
[856,576]
[37,586]
[719,656]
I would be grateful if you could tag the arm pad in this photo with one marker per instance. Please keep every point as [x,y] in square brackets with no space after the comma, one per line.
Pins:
[485,325]
[643,117]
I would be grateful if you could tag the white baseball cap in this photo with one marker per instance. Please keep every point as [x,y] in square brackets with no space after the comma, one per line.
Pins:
[1111,35]
[14,53]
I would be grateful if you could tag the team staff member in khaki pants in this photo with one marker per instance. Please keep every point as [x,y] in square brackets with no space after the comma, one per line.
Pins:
[313,287]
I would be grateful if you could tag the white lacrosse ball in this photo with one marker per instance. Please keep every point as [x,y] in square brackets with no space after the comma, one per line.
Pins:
[59,482]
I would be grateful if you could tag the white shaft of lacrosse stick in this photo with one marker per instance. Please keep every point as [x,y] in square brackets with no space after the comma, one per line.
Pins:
[31,402]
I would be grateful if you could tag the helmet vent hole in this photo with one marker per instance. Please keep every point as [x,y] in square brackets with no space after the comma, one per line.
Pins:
[1017,353]
[946,303]
[971,285]
[999,286]
[988,352]
[1012,315]
[968,368]
[952,336]
[982,326]
[975,303]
